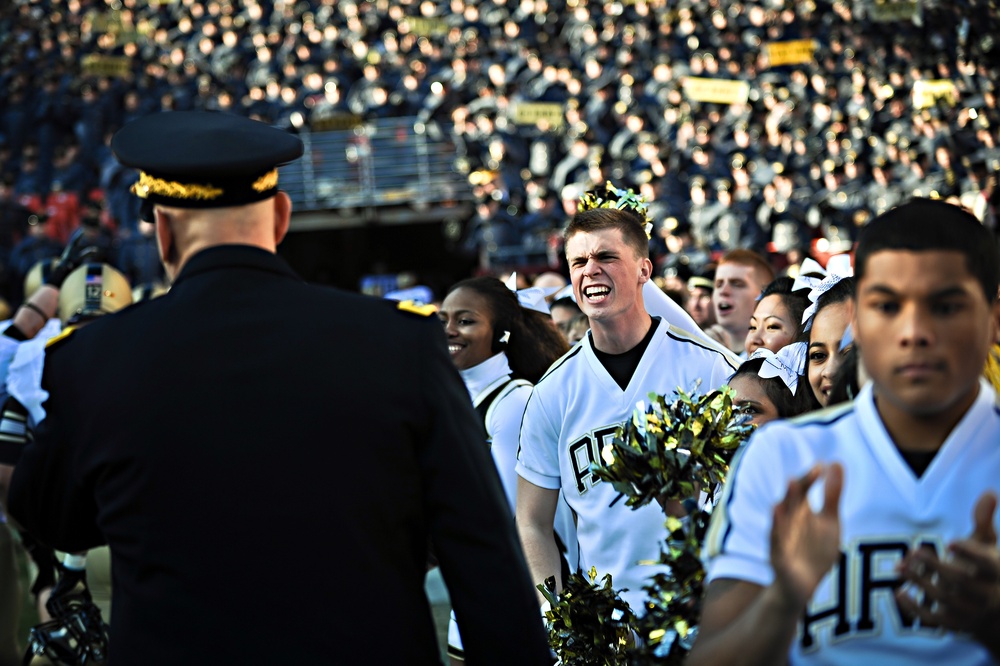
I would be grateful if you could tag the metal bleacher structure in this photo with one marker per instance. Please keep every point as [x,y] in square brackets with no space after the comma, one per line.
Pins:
[381,172]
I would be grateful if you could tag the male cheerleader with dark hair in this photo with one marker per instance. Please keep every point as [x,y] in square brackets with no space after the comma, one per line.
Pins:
[866,533]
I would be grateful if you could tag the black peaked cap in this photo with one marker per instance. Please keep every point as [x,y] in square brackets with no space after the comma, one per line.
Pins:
[204,159]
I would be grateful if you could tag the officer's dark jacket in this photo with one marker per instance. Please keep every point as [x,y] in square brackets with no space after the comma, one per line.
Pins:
[267,459]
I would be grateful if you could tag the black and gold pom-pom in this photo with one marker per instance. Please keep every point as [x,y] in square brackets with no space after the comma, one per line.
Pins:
[589,623]
[674,449]
[619,199]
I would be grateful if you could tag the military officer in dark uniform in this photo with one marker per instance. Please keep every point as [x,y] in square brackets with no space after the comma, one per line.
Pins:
[268,460]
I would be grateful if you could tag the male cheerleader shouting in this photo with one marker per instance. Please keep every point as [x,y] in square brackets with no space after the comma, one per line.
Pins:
[576,407]
[826,516]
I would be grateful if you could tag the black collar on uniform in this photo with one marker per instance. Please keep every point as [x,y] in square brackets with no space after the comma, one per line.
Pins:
[234,256]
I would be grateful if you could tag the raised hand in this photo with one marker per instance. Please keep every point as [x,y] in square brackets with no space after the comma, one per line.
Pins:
[69,259]
[806,544]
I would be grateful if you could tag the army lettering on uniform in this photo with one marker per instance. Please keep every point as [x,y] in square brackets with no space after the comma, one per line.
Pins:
[864,573]
[838,609]
[586,450]
[870,584]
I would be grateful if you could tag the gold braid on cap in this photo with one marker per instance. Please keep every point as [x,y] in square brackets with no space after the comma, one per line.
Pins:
[266,182]
[618,199]
[168,188]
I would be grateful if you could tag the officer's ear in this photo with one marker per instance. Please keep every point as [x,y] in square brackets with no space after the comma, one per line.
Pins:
[282,216]
[165,240]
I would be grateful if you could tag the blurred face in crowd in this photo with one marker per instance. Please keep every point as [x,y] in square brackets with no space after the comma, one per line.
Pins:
[577,329]
[562,317]
[569,205]
[699,306]
[736,289]
[698,197]
[751,398]
[551,281]
[771,325]
[675,284]
[924,326]
[824,354]
[468,327]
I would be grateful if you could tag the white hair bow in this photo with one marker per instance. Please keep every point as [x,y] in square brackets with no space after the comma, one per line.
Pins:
[804,281]
[840,264]
[837,265]
[785,365]
[566,291]
[532,298]
[827,283]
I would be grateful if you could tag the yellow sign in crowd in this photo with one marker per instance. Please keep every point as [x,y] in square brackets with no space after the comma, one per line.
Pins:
[795,52]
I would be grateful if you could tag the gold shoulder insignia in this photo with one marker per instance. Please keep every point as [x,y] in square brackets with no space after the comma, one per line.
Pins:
[55,340]
[416,308]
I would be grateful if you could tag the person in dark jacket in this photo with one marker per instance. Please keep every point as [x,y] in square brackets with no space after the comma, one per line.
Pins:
[268,460]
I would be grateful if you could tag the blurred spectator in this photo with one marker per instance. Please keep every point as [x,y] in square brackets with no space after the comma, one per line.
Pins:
[577,328]
[819,147]
[564,311]
[550,281]
[685,257]
[33,248]
[699,302]
[13,219]
[544,217]
[138,257]
[29,185]
[69,173]
[739,279]
[96,235]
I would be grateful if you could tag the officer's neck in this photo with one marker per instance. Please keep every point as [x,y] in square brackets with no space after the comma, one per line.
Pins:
[184,233]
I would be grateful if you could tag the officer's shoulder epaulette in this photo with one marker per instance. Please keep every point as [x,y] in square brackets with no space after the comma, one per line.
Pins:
[416,308]
[59,339]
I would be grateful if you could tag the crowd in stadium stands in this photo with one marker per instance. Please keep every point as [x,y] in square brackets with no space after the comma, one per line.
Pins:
[818,148]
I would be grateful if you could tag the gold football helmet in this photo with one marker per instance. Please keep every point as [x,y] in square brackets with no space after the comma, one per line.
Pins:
[92,290]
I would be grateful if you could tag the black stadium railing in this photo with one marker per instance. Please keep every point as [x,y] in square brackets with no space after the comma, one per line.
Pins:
[388,171]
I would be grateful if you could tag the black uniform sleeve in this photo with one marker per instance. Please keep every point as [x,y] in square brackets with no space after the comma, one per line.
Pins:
[471,526]
[47,496]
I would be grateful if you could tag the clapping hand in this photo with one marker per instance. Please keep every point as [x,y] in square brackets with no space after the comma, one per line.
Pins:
[806,544]
[961,592]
